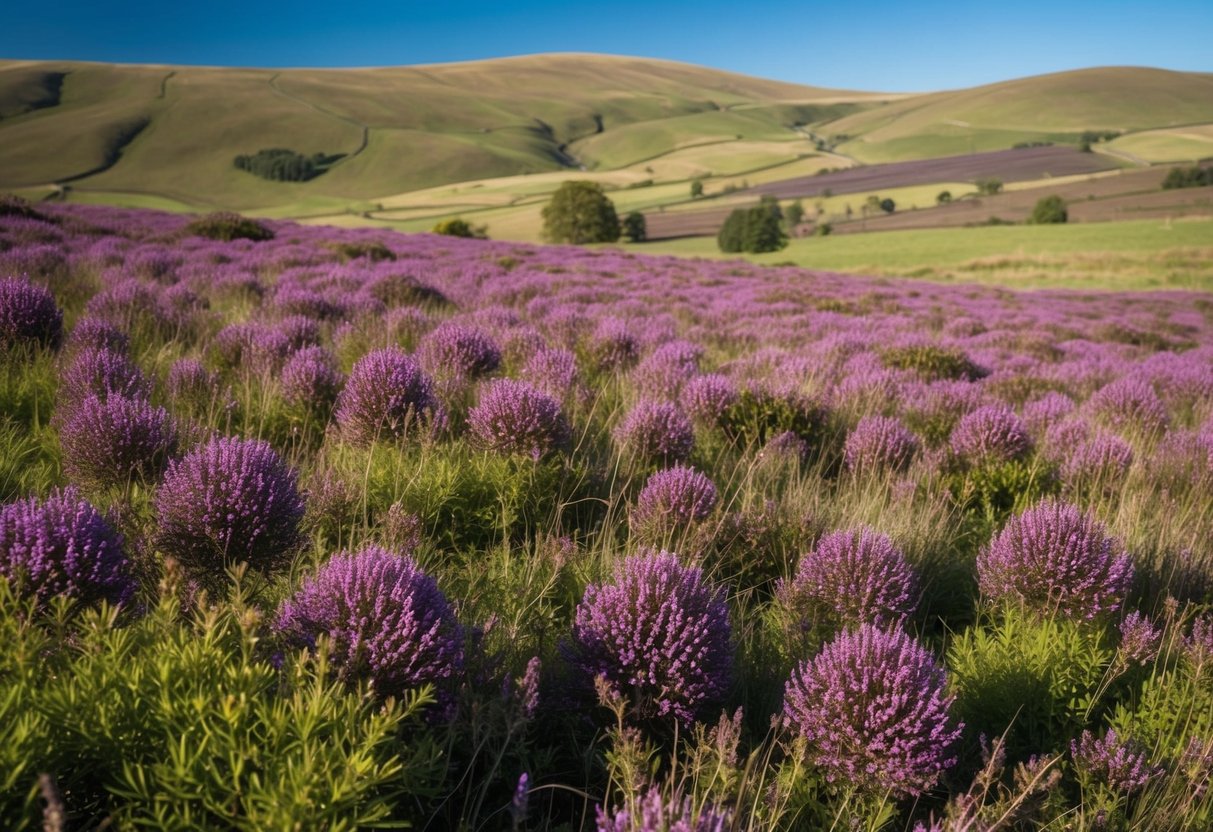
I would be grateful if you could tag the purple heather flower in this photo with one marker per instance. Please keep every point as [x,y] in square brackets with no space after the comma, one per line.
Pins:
[874,709]
[519,804]
[311,380]
[63,546]
[707,398]
[1139,638]
[654,813]
[787,445]
[1053,557]
[388,622]
[386,396]
[852,577]
[28,314]
[1105,457]
[227,501]
[662,373]
[458,351]
[514,417]
[659,635]
[98,334]
[1123,766]
[991,434]
[1199,644]
[101,373]
[674,498]
[191,383]
[1129,403]
[879,442]
[614,345]
[300,331]
[1047,411]
[108,442]
[657,431]
[553,371]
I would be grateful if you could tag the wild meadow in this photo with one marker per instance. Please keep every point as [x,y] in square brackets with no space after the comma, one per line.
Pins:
[319,528]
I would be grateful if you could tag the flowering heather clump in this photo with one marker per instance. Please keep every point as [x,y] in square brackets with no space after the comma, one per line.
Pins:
[1123,766]
[1053,557]
[300,331]
[613,345]
[991,434]
[707,398]
[63,546]
[191,383]
[1139,638]
[852,577]
[386,396]
[1199,644]
[1106,456]
[388,621]
[1047,411]
[227,501]
[101,373]
[108,442]
[874,709]
[653,813]
[663,372]
[553,371]
[28,314]
[459,351]
[98,334]
[311,380]
[879,442]
[1129,403]
[514,417]
[674,498]
[657,431]
[659,635]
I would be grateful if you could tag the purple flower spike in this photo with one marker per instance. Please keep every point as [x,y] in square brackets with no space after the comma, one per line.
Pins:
[459,351]
[1123,766]
[63,546]
[657,431]
[659,635]
[514,417]
[108,442]
[879,442]
[386,397]
[675,497]
[874,709]
[1053,557]
[654,813]
[388,621]
[28,314]
[991,434]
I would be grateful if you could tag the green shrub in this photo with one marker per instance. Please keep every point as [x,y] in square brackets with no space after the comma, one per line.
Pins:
[459,227]
[1193,177]
[374,251]
[226,226]
[635,228]
[1049,210]
[754,230]
[1036,679]
[931,361]
[988,187]
[998,489]
[580,212]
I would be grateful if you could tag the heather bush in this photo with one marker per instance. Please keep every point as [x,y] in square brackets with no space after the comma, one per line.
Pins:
[879,443]
[227,501]
[673,503]
[225,227]
[458,351]
[28,315]
[387,397]
[311,380]
[115,441]
[656,432]
[100,373]
[513,417]
[1129,404]
[387,622]
[759,414]
[707,398]
[990,434]
[931,361]
[658,635]
[875,713]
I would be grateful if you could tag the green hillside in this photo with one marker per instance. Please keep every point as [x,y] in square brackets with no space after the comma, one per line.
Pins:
[1057,107]
[174,131]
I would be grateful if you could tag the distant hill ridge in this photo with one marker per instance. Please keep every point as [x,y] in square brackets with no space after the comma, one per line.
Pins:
[173,133]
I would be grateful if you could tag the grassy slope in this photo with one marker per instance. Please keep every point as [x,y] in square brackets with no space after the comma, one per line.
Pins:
[1175,144]
[1139,254]
[424,126]
[1045,107]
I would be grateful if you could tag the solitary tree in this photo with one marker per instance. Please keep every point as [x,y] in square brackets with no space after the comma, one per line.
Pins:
[794,214]
[944,198]
[753,230]
[634,227]
[1049,210]
[989,187]
[696,188]
[887,205]
[580,213]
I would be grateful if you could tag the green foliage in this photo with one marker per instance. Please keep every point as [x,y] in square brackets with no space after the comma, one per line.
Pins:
[1049,210]
[373,250]
[635,228]
[278,164]
[15,206]
[988,187]
[752,230]
[998,489]
[758,415]
[931,361]
[1193,177]
[794,214]
[888,205]
[1039,680]
[824,229]
[226,226]
[944,198]
[580,212]
[696,188]
[459,227]
[180,720]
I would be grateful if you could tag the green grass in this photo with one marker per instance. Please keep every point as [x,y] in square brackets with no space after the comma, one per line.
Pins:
[1179,144]
[1140,254]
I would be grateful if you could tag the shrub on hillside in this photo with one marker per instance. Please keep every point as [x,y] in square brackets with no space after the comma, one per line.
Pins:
[226,226]
[459,227]
[753,230]
[635,228]
[1049,210]
[1193,177]
[580,212]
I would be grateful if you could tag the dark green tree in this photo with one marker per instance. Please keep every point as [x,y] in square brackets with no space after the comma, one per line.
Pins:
[696,188]
[794,214]
[634,227]
[887,205]
[580,213]
[753,230]
[944,198]
[459,227]
[988,187]
[1049,210]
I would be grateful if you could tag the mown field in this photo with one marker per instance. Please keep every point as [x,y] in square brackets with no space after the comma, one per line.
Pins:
[311,527]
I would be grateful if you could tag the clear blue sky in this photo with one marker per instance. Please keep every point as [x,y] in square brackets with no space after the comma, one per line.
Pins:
[877,45]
